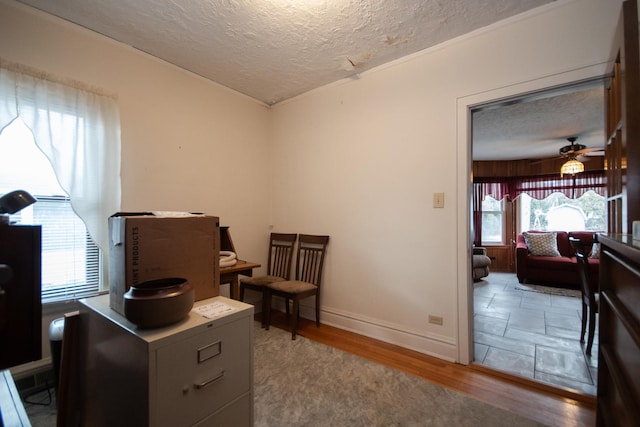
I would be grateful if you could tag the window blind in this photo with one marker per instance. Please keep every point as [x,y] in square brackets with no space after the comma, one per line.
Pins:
[70,259]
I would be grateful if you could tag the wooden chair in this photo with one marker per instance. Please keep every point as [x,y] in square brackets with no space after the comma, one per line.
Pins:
[590,295]
[311,252]
[281,249]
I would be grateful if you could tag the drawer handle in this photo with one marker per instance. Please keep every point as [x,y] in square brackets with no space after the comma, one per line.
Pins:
[209,381]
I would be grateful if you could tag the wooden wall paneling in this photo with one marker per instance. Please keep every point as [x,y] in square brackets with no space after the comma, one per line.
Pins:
[631,111]
[528,167]
[622,124]
[499,256]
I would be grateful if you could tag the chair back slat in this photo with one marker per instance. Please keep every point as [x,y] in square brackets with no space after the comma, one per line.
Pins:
[281,249]
[311,252]
[588,294]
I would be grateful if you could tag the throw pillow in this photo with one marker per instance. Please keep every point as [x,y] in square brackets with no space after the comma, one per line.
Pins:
[542,244]
[595,251]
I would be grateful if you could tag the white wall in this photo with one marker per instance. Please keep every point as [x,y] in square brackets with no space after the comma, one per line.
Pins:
[360,160]
[187,144]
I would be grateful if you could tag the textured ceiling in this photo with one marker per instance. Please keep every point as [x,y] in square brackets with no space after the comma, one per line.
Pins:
[538,126]
[273,50]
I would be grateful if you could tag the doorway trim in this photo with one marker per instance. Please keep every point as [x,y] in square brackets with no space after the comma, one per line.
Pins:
[465,105]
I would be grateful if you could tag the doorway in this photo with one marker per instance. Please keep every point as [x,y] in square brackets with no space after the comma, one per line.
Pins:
[505,313]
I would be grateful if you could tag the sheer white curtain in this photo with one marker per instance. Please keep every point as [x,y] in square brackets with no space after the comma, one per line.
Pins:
[79,132]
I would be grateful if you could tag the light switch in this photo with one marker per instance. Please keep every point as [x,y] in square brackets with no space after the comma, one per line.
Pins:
[438,200]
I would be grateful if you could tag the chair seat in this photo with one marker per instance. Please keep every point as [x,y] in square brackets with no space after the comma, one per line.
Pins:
[260,280]
[292,286]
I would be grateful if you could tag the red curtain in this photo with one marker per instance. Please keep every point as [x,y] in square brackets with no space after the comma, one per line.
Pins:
[539,187]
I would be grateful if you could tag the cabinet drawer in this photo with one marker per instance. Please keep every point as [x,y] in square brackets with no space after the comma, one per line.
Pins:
[236,414]
[199,375]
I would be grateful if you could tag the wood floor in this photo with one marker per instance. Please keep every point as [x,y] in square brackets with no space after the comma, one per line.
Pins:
[529,399]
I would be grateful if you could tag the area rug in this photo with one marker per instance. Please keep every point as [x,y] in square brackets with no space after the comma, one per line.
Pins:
[305,383]
[548,290]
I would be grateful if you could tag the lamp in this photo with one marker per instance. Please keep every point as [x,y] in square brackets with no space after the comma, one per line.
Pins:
[571,166]
[14,202]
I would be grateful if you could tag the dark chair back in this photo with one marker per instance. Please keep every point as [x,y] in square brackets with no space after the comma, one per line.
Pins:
[586,284]
[311,251]
[590,297]
[281,249]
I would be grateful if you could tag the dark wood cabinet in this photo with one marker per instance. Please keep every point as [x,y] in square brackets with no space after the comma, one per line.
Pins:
[622,127]
[20,303]
[619,332]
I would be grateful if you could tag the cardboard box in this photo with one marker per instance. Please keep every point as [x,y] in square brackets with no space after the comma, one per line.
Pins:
[147,246]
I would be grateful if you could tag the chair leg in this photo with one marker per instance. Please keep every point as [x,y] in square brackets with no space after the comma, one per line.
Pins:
[584,322]
[263,315]
[592,330]
[286,306]
[241,296]
[294,321]
[267,306]
[317,311]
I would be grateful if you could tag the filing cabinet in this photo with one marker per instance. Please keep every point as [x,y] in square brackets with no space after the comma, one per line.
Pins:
[198,371]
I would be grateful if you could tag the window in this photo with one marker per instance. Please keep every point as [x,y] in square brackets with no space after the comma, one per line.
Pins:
[70,258]
[77,128]
[493,224]
[557,212]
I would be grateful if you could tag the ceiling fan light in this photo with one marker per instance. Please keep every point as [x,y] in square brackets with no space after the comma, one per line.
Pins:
[572,166]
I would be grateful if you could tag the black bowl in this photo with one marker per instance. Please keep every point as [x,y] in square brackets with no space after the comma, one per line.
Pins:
[159,302]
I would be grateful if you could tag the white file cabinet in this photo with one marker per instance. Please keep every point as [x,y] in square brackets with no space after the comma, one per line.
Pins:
[198,371]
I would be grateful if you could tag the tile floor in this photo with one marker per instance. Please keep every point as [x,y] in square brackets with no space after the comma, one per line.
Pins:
[532,334]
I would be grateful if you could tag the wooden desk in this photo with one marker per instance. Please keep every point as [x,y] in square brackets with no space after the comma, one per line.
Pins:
[230,275]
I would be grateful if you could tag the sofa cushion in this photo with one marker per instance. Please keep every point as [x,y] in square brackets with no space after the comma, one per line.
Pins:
[558,263]
[542,244]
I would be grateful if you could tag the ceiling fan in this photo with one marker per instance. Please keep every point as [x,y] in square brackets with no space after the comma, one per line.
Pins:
[579,151]
[573,151]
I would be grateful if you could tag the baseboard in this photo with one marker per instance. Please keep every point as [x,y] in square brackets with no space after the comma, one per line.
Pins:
[431,344]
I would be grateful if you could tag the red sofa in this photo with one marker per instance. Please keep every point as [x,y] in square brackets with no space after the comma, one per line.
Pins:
[561,270]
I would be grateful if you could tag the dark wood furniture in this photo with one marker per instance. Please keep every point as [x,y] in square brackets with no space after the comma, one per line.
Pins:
[281,249]
[622,127]
[231,274]
[20,303]
[589,291]
[309,263]
[619,332]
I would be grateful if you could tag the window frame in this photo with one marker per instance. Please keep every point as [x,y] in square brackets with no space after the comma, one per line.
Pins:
[503,223]
[53,285]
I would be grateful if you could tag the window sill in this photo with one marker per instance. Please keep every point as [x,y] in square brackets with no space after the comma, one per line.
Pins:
[65,306]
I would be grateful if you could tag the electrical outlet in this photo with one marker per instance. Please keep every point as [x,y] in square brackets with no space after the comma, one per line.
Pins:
[435,320]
